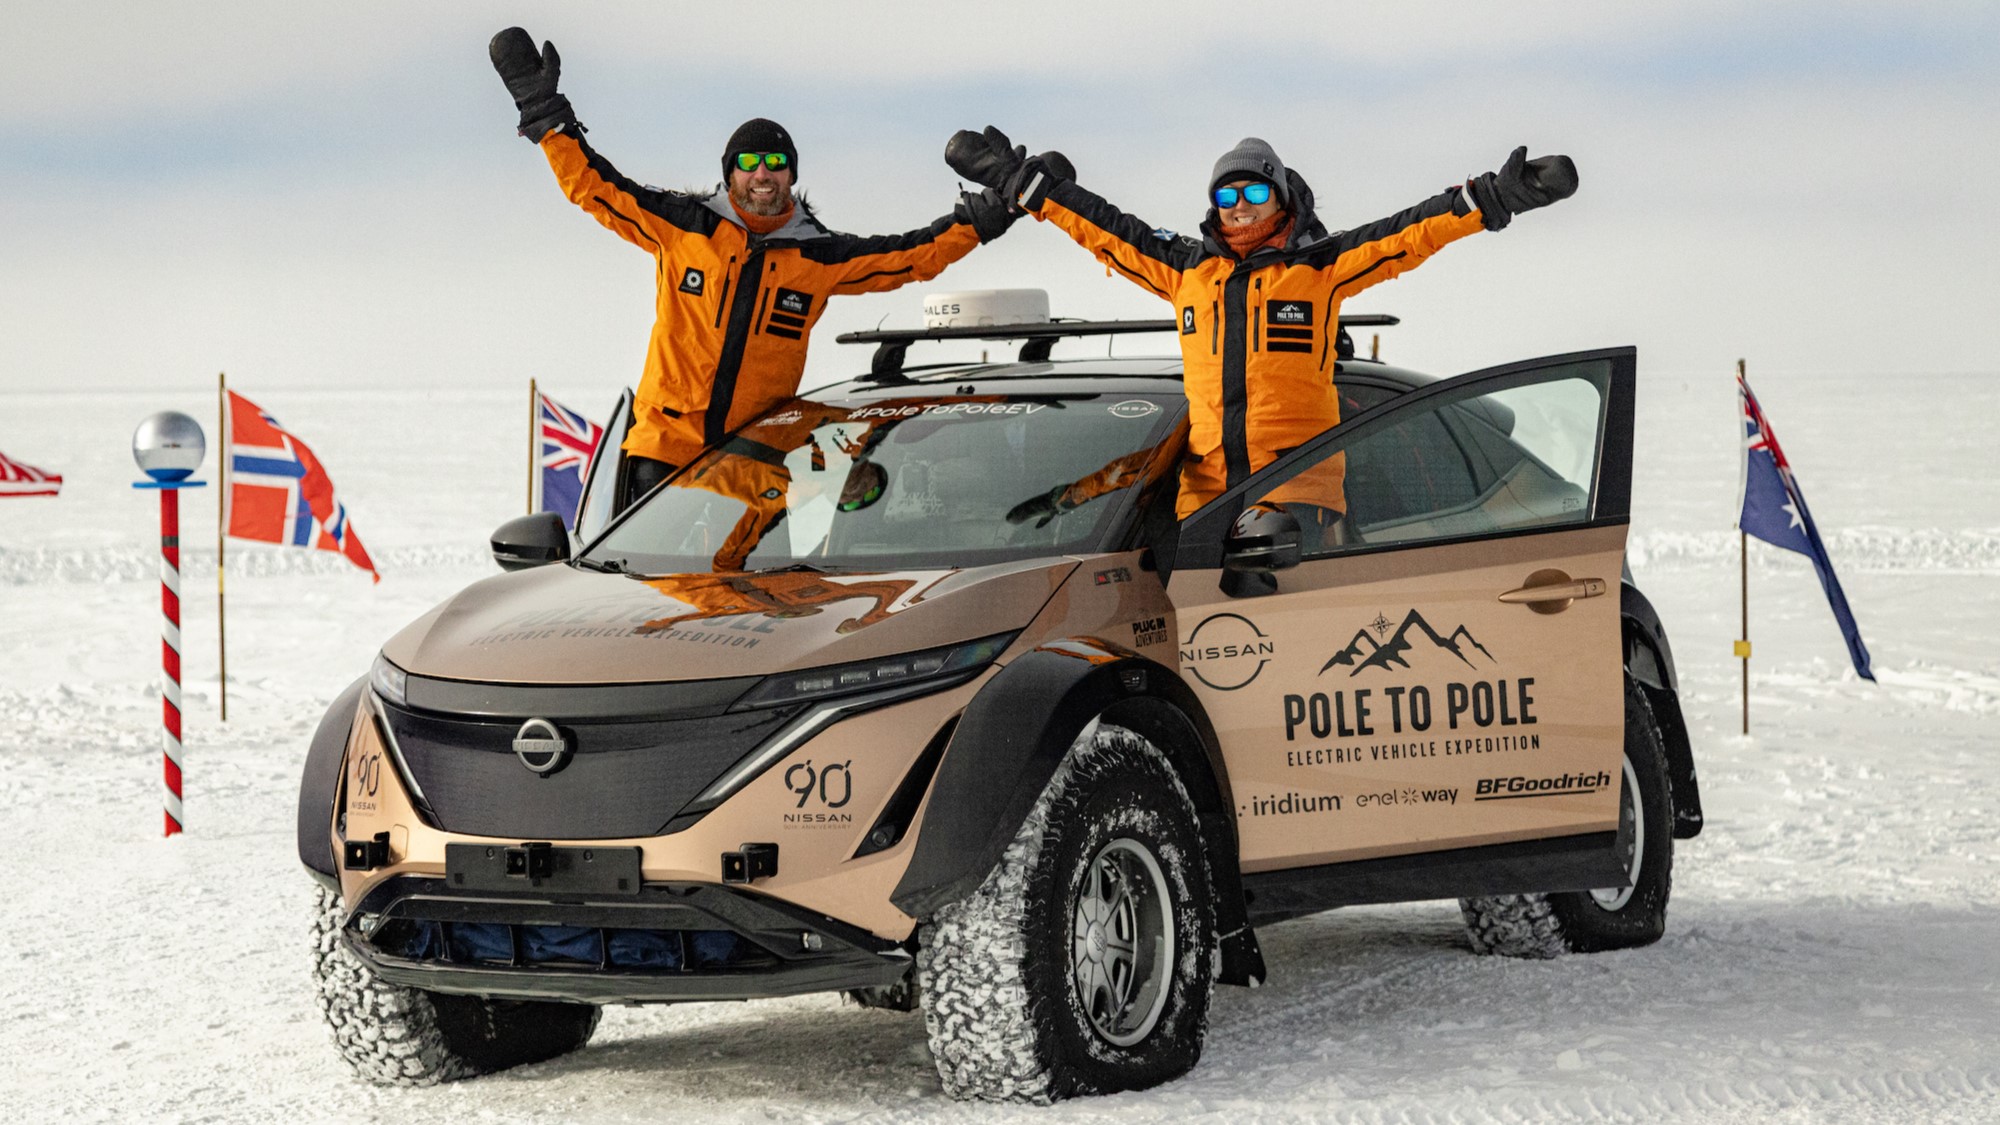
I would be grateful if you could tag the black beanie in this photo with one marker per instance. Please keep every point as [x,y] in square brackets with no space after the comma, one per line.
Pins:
[760,134]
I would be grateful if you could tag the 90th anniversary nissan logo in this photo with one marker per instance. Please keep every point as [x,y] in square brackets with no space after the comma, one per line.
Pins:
[541,747]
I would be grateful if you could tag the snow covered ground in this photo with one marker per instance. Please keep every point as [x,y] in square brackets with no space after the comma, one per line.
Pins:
[1833,945]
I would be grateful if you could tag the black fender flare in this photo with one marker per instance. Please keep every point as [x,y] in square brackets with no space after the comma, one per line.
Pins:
[1650,664]
[320,783]
[1015,733]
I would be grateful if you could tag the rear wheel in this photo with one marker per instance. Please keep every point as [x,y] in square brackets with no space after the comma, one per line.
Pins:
[398,1036]
[1549,925]
[1082,965]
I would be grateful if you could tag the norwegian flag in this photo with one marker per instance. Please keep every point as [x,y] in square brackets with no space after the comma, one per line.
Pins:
[569,440]
[279,492]
[17,479]
[1775,511]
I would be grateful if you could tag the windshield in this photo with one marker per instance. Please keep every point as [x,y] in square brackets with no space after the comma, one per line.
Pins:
[905,483]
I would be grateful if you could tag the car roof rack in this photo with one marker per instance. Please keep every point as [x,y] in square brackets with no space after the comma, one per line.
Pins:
[891,345]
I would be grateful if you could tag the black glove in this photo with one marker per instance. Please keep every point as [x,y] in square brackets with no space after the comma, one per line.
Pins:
[987,159]
[1522,185]
[1041,508]
[990,160]
[987,213]
[531,77]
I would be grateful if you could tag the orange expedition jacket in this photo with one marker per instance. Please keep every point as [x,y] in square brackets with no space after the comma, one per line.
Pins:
[1257,333]
[734,310]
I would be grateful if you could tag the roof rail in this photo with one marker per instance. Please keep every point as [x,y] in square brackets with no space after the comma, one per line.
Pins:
[1037,339]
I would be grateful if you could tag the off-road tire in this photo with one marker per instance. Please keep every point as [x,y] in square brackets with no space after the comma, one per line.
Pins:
[396,1036]
[1549,925]
[1001,1003]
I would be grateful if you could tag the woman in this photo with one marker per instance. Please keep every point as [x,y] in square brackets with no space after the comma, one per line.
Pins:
[1258,294]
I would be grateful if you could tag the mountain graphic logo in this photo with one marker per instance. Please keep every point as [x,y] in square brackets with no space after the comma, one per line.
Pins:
[1365,652]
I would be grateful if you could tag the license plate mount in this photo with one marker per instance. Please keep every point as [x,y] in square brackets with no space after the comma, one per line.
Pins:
[542,867]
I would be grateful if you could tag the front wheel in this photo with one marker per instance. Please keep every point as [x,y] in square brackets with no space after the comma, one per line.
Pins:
[1549,925]
[1082,965]
[396,1036]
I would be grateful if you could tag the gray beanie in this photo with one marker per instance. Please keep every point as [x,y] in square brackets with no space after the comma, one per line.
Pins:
[1251,159]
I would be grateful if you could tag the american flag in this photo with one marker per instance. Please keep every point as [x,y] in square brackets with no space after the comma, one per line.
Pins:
[1775,511]
[17,479]
[569,440]
[279,492]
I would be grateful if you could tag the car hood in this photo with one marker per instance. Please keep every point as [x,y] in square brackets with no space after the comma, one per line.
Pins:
[560,624]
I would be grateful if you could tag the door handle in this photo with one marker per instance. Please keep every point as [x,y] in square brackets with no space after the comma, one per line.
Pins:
[1551,591]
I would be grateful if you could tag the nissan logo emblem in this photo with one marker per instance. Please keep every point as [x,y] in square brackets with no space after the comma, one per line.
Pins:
[540,746]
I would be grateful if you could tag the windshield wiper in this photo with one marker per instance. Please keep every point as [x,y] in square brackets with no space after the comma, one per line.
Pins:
[603,566]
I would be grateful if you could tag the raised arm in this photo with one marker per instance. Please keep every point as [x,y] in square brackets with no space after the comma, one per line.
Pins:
[878,263]
[641,215]
[1374,253]
[1045,187]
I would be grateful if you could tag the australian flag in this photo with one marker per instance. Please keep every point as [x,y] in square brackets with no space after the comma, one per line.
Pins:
[1775,511]
[279,492]
[568,441]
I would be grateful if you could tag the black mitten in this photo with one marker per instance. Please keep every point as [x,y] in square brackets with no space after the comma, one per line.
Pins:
[987,159]
[531,77]
[1521,185]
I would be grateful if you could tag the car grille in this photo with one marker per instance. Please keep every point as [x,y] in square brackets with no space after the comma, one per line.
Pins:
[622,779]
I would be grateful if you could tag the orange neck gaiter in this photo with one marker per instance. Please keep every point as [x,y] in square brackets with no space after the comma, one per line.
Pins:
[762,224]
[1271,232]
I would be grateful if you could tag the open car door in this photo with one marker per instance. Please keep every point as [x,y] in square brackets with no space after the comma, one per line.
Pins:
[600,477]
[1441,672]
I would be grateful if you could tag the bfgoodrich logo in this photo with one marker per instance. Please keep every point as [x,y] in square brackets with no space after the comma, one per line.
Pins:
[1227,651]
[1516,788]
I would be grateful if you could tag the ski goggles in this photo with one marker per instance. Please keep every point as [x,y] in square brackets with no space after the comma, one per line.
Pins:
[775,161]
[877,481]
[1256,195]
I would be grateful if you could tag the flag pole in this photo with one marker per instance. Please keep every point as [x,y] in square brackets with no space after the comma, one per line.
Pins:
[1743,556]
[533,413]
[221,537]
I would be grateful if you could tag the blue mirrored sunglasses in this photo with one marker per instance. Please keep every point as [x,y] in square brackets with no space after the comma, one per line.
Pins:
[1254,194]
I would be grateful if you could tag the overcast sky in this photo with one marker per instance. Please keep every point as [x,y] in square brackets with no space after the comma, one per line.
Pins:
[333,195]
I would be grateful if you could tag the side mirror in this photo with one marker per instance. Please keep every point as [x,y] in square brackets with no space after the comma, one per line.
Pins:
[1263,539]
[535,540]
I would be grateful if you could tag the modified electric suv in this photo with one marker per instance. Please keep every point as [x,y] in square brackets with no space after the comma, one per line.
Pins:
[915,688]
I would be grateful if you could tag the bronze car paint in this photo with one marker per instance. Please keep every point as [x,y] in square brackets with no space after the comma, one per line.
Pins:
[1112,598]
[1332,784]
[559,624]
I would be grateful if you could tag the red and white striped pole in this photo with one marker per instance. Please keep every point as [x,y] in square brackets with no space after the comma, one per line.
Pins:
[170,652]
[169,447]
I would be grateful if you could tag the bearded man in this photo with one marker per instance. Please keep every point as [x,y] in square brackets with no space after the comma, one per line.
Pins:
[743,273]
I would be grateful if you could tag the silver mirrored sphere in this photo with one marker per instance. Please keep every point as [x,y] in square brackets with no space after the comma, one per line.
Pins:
[169,445]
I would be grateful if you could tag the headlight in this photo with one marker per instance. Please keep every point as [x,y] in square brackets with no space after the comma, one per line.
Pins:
[874,675]
[939,666]
[389,681]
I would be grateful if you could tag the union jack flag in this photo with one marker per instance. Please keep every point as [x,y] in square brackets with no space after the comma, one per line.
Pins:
[1775,511]
[568,441]
[17,479]
[278,492]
